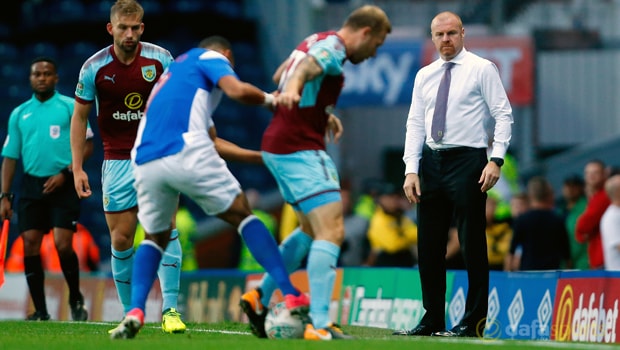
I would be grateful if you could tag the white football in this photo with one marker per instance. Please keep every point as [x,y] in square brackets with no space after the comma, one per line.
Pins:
[280,324]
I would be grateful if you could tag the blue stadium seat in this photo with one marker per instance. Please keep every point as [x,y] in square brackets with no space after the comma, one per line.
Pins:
[229,8]
[17,91]
[99,11]
[14,73]
[31,51]
[152,7]
[65,11]
[189,6]
[245,52]
[8,52]
[79,51]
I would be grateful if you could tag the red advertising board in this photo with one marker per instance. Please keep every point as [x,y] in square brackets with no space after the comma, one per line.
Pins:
[586,310]
[513,56]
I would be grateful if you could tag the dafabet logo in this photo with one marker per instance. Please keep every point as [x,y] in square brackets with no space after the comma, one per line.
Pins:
[585,316]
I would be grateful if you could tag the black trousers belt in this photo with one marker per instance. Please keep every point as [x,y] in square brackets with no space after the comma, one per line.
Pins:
[452,151]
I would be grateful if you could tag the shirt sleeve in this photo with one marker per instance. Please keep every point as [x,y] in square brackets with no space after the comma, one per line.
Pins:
[12,143]
[328,56]
[85,89]
[415,134]
[499,106]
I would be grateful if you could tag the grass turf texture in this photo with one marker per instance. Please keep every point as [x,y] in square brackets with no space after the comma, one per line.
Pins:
[53,335]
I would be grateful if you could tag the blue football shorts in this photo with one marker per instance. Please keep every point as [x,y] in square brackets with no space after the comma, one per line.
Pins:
[117,182]
[306,179]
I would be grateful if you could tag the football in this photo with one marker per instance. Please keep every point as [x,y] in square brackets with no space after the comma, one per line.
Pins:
[280,324]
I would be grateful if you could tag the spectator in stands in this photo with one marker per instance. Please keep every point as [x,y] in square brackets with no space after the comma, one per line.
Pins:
[571,205]
[540,231]
[499,233]
[519,204]
[367,201]
[355,248]
[38,132]
[393,236]
[587,229]
[84,246]
[118,79]
[288,222]
[454,257]
[610,225]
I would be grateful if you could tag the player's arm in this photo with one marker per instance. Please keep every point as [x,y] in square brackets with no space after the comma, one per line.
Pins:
[8,172]
[79,148]
[244,92]
[89,147]
[231,152]
[307,70]
[278,73]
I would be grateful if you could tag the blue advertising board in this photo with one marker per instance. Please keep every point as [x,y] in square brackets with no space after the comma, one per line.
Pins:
[384,80]
[520,304]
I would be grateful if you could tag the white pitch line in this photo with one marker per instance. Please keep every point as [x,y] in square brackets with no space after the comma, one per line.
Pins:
[112,324]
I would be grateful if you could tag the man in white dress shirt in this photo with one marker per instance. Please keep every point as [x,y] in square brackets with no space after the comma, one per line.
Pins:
[448,172]
[610,225]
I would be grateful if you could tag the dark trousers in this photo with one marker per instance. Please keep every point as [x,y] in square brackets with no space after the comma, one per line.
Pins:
[451,196]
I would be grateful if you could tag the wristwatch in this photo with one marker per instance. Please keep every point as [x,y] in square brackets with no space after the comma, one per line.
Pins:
[498,161]
[8,195]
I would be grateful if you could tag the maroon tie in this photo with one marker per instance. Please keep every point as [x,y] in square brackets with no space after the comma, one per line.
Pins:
[441,103]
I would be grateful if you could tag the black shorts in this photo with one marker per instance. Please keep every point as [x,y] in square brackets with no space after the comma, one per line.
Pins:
[38,211]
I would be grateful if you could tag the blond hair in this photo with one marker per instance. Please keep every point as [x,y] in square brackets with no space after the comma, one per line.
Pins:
[369,16]
[126,8]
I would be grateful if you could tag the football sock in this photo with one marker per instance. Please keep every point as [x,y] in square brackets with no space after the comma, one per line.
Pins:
[148,256]
[122,266]
[170,272]
[293,249]
[33,269]
[322,261]
[71,270]
[264,248]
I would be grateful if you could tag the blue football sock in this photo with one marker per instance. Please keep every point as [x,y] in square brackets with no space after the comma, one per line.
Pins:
[322,261]
[170,272]
[293,249]
[148,256]
[122,267]
[264,248]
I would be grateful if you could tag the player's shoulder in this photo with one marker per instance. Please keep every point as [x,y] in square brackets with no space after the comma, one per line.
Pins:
[473,58]
[64,99]
[98,59]
[154,51]
[207,54]
[21,107]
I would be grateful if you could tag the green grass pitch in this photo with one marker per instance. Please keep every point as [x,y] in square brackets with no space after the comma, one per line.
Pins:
[227,335]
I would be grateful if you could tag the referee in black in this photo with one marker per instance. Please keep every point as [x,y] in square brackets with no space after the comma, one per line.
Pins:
[38,133]
[448,173]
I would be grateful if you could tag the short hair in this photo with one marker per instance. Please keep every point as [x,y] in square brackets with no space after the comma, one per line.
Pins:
[126,8]
[539,189]
[574,180]
[612,187]
[447,14]
[215,42]
[369,16]
[45,59]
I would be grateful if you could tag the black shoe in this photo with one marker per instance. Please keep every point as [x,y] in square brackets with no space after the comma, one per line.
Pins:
[420,330]
[462,331]
[78,310]
[251,305]
[38,316]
